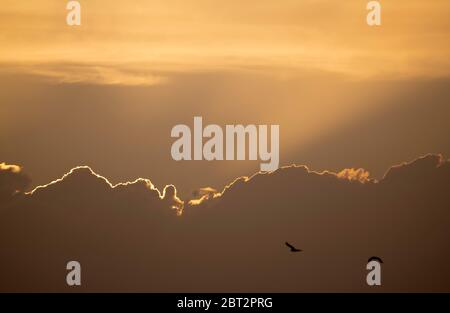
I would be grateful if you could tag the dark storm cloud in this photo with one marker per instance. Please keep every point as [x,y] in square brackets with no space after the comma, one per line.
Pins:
[128,237]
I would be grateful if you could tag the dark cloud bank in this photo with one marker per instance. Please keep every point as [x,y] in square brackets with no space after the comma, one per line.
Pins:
[129,237]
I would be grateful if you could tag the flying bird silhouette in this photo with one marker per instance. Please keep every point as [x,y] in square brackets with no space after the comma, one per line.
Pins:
[293,249]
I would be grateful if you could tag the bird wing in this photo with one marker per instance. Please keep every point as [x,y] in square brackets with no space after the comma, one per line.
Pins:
[290,246]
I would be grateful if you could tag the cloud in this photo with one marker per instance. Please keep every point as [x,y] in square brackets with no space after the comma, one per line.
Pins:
[9,167]
[170,194]
[420,168]
[12,181]
[204,191]
[83,181]
[198,35]
[208,193]
[354,174]
[203,194]
[128,238]
[91,74]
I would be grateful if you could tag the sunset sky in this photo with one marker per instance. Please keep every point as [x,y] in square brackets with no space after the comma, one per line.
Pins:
[130,43]
[107,93]
[87,173]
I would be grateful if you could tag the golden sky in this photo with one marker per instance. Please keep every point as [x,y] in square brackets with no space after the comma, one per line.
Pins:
[107,93]
[132,42]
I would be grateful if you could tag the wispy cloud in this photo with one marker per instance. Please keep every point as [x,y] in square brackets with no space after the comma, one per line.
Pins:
[90,74]
[198,35]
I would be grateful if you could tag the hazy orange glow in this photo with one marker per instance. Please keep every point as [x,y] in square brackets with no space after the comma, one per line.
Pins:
[129,43]
[346,97]
[132,70]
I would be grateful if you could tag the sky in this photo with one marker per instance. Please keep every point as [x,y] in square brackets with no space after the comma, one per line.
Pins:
[150,36]
[128,239]
[363,113]
[107,93]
